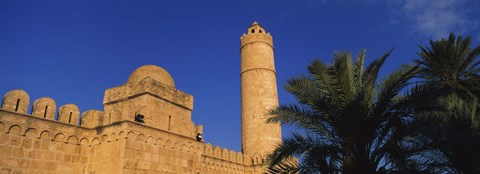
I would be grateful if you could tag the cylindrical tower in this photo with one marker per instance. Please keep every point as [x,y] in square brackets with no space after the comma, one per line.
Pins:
[259,91]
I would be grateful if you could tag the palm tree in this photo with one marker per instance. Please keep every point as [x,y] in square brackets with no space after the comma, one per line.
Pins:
[447,113]
[451,66]
[349,123]
[451,136]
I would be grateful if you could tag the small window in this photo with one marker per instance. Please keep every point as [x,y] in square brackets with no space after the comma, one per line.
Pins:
[18,103]
[260,31]
[45,113]
[139,118]
[169,122]
[253,30]
[70,118]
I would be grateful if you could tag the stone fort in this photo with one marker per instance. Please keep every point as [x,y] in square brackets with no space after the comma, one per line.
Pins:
[145,127]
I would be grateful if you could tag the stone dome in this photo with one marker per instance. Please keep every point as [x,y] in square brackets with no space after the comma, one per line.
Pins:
[155,72]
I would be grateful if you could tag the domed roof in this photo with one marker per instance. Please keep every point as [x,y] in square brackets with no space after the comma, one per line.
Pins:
[155,72]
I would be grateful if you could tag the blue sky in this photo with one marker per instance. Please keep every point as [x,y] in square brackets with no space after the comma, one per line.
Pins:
[72,51]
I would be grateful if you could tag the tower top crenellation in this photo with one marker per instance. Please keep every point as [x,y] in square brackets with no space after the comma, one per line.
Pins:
[256,33]
[256,28]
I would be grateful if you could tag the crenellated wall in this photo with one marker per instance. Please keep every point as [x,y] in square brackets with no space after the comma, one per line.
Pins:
[18,101]
[102,144]
[217,160]
[30,144]
[250,37]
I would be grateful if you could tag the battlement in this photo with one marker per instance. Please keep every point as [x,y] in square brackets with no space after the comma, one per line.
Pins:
[222,154]
[216,152]
[256,33]
[63,146]
[44,108]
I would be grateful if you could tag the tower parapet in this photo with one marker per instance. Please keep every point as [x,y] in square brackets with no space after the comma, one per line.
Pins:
[256,33]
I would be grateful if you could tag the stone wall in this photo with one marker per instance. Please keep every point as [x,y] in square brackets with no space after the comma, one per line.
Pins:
[33,145]
[38,144]
[217,160]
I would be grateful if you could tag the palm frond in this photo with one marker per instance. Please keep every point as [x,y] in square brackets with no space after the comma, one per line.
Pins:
[300,117]
[298,145]
[391,86]
[284,167]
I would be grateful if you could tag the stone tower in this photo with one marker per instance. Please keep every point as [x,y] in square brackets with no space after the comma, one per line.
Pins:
[259,91]
[150,91]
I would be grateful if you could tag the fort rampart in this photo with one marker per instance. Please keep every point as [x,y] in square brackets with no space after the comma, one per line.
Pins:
[50,141]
